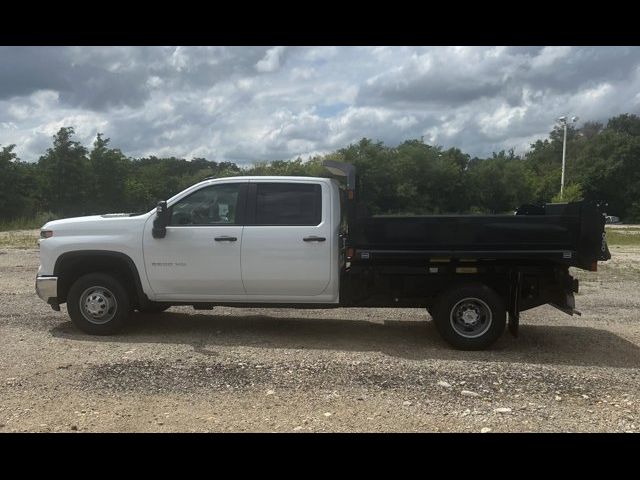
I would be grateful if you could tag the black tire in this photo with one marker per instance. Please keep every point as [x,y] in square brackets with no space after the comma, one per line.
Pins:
[105,297]
[153,308]
[486,322]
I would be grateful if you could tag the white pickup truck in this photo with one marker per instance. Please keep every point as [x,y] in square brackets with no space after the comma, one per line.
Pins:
[285,241]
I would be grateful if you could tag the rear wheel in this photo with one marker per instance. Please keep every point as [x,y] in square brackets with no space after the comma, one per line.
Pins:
[98,304]
[470,317]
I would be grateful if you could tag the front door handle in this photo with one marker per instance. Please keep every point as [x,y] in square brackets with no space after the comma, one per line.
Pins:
[313,238]
[224,238]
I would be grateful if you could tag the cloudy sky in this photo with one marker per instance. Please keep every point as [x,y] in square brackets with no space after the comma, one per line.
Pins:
[245,104]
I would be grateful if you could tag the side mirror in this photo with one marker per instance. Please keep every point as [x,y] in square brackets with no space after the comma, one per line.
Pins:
[161,221]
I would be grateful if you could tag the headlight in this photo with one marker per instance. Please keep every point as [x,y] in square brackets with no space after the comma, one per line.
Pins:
[46,233]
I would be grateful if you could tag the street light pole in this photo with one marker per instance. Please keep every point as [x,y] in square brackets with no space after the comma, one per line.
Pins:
[563,122]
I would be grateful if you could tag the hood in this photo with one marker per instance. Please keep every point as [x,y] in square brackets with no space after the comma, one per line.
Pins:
[95,223]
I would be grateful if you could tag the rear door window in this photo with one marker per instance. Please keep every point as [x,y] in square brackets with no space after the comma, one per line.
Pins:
[288,204]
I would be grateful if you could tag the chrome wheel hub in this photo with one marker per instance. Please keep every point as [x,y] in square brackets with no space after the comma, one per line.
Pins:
[471,317]
[98,305]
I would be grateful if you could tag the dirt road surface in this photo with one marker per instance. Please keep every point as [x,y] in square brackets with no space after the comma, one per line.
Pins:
[280,370]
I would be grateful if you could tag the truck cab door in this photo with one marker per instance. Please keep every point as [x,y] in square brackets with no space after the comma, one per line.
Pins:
[199,258]
[288,240]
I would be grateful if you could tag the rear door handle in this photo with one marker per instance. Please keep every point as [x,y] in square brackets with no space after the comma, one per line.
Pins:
[313,238]
[224,238]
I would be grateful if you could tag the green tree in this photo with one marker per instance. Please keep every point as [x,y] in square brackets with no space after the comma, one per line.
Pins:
[17,184]
[610,171]
[428,179]
[63,173]
[501,183]
[602,163]
[590,129]
[571,193]
[628,124]
[108,173]
[376,175]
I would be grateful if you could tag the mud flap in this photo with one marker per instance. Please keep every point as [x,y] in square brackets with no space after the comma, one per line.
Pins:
[568,305]
[514,305]
[514,324]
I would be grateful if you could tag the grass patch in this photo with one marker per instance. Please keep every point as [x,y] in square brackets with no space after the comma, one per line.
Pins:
[624,237]
[19,239]
[27,223]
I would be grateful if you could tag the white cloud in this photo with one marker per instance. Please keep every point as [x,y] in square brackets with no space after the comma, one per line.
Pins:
[247,104]
[271,60]
[179,59]
[550,55]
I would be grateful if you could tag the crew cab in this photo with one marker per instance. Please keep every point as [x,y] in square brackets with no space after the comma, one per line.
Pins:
[299,242]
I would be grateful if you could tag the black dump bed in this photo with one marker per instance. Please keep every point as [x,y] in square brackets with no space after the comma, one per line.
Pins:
[570,233]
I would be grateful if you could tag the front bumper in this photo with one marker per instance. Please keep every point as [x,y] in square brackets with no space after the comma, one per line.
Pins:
[47,289]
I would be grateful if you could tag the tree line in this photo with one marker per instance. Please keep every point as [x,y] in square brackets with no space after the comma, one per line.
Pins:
[602,164]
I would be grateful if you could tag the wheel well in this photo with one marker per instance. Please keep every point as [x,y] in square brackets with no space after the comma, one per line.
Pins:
[499,284]
[72,265]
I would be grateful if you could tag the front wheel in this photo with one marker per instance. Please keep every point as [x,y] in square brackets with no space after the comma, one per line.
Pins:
[470,317]
[98,304]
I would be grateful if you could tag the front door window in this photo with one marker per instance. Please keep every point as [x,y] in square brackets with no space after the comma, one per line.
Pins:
[214,205]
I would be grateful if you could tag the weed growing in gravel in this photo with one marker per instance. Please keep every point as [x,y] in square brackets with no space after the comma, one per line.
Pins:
[18,239]
[627,236]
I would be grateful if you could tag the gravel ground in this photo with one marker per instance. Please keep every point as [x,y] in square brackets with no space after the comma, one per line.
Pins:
[235,369]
